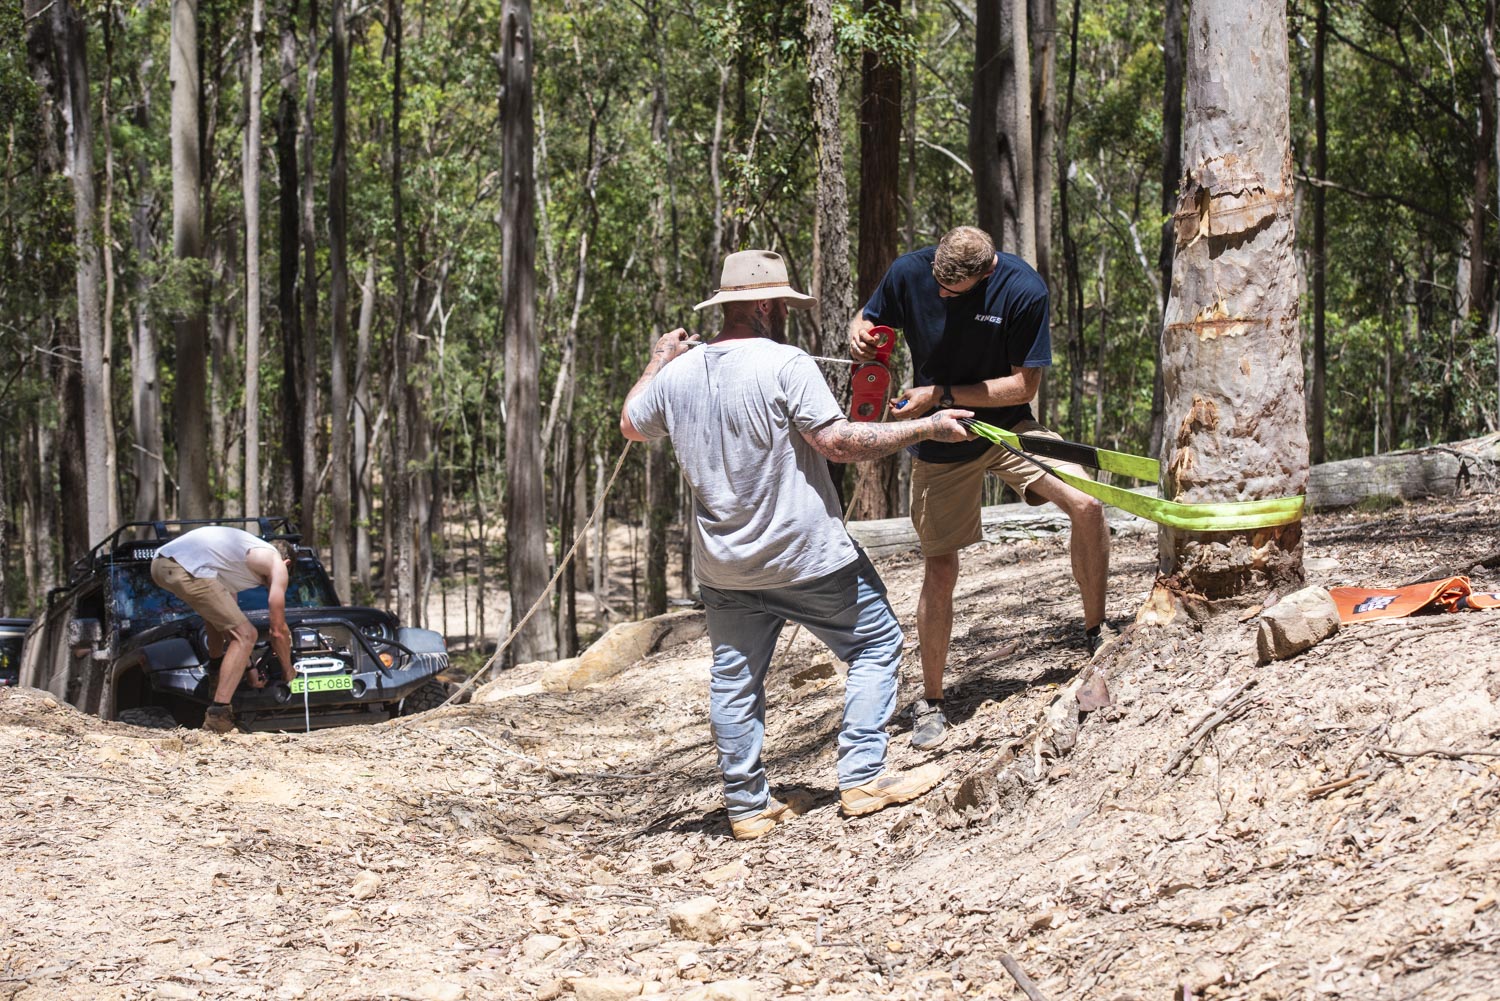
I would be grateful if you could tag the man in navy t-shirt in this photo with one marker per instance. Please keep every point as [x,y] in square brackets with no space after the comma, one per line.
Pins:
[976,323]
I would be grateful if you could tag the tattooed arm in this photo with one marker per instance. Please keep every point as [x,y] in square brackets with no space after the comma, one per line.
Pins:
[847,441]
[668,346]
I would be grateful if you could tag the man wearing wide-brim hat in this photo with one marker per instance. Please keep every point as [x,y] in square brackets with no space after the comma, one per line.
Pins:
[752,422]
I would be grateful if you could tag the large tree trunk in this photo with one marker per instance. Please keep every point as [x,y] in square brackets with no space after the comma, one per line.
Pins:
[525,524]
[1317,397]
[338,263]
[831,249]
[992,125]
[1231,349]
[307,504]
[190,386]
[145,379]
[399,556]
[72,60]
[1171,177]
[250,173]
[1021,144]
[289,483]
[1492,83]
[222,249]
[1073,302]
[1478,293]
[1044,127]
[106,375]
[364,505]
[879,227]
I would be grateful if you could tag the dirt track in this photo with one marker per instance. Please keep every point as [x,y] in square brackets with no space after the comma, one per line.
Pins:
[537,847]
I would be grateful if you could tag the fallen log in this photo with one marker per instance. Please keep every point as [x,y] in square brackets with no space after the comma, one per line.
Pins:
[999,522]
[1435,471]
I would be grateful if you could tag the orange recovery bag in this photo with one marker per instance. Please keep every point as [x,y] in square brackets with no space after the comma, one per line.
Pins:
[1451,594]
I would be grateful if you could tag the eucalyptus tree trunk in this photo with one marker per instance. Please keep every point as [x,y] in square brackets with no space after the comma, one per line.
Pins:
[992,125]
[1479,296]
[145,379]
[1021,139]
[288,255]
[1073,301]
[106,375]
[72,60]
[364,508]
[399,559]
[1231,345]
[832,286]
[250,174]
[338,305]
[1044,127]
[1317,398]
[1171,177]
[307,504]
[190,385]
[1492,83]
[879,227]
[525,524]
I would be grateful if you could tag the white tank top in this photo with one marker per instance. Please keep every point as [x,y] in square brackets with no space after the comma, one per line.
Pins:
[217,551]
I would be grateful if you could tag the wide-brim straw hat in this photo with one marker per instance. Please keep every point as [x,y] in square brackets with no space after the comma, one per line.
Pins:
[756,274]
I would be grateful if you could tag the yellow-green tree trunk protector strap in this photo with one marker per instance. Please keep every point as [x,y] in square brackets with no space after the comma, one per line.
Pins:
[1229,516]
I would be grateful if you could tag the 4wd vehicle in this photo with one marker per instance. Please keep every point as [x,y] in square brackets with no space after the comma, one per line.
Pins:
[12,635]
[115,644]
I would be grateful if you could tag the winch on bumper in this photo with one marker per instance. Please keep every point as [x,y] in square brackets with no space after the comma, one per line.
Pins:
[342,672]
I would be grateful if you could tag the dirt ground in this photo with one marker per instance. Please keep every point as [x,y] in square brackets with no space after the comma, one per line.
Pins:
[1337,837]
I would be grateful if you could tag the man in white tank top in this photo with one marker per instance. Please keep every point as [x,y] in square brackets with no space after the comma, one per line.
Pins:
[206,568]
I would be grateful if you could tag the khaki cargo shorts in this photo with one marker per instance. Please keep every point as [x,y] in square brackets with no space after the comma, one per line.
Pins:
[945,496]
[207,596]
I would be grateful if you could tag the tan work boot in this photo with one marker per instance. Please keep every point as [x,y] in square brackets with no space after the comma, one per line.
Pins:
[889,788]
[760,824]
[219,719]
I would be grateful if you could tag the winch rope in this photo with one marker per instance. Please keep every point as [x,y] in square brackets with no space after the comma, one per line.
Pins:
[546,594]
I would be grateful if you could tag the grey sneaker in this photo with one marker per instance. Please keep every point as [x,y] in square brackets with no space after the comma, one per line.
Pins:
[1102,638]
[928,724]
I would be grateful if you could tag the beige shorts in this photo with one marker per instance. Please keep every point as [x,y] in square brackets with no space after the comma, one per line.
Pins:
[205,595]
[946,496]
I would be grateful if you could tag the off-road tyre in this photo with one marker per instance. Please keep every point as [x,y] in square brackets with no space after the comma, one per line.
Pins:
[431,695]
[149,717]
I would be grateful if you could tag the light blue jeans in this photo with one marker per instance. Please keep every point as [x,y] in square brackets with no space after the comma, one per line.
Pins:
[848,611]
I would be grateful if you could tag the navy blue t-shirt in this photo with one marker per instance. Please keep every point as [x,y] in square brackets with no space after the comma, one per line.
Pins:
[998,325]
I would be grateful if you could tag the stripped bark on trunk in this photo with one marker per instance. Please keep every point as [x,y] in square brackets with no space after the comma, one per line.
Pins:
[1232,358]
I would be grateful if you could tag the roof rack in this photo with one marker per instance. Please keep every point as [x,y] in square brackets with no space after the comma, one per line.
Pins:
[271,529]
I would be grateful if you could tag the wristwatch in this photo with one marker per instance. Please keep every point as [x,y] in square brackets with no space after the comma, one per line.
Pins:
[946,400]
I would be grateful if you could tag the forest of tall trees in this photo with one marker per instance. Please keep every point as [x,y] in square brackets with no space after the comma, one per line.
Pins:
[390,268]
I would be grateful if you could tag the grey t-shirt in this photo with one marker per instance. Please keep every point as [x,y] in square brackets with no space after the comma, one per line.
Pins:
[217,551]
[765,513]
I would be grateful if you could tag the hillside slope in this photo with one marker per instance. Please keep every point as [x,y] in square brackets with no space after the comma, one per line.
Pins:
[1336,838]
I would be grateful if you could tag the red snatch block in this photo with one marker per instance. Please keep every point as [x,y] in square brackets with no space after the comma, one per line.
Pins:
[870,385]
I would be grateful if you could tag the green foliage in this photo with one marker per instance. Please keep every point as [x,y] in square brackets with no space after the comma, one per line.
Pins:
[638,108]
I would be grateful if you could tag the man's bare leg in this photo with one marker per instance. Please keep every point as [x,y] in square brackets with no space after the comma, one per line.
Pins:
[236,659]
[216,640]
[1089,547]
[935,620]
